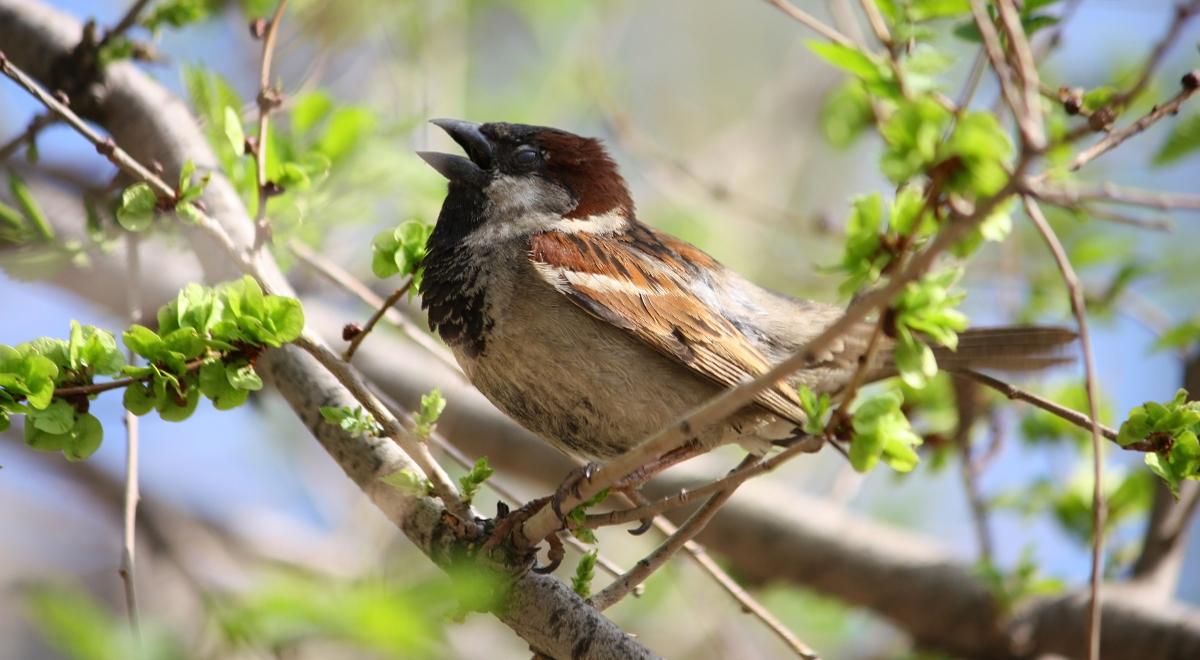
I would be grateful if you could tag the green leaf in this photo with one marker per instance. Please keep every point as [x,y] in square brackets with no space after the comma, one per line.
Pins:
[40,440]
[243,377]
[846,113]
[56,418]
[585,571]
[176,13]
[912,135]
[474,479]
[432,405]
[577,517]
[355,421]
[882,431]
[850,59]
[286,316]
[30,375]
[30,208]
[234,132]
[408,481]
[816,409]
[346,129]
[137,208]
[310,109]
[84,439]
[186,342]
[1097,98]
[1182,141]
[175,408]
[139,398]
[914,360]
[143,341]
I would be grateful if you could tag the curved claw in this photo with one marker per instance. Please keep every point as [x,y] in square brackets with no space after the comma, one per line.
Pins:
[554,555]
[548,568]
[647,523]
[570,485]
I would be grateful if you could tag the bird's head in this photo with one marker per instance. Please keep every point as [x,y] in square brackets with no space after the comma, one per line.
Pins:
[530,177]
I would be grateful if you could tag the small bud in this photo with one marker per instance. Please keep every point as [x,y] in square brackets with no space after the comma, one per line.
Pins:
[1072,105]
[1191,80]
[157,167]
[251,145]
[106,147]
[269,99]
[350,331]
[62,97]
[1102,119]
[258,28]
[271,189]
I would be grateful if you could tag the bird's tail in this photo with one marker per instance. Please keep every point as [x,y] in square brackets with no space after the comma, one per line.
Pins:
[1011,348]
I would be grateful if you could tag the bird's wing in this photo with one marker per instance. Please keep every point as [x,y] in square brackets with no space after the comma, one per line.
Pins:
[650,285]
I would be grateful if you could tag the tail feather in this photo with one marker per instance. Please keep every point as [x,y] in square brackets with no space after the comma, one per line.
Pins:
[1011,348]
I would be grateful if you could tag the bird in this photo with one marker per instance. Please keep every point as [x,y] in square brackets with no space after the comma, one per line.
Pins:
[594,330]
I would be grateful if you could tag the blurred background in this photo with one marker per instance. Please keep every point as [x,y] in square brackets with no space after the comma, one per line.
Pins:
[253,543]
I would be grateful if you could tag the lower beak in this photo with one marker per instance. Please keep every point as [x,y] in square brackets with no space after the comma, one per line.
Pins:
[471,170]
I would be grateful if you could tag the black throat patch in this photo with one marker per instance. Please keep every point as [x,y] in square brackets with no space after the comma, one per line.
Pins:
[450,288]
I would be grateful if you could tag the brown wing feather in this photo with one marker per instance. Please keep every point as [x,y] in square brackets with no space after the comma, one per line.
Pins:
[642,284]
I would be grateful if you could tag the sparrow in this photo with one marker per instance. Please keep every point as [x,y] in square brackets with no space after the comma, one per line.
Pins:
[594,330]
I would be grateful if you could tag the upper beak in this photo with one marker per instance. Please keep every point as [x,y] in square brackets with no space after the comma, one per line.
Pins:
[471,170]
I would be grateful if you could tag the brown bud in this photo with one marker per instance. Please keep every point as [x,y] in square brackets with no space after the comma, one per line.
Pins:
[269,99]
[258,28]
[1191,80]
[1072,105]
[1102,119]
[62,97]
[157,167]
[252,145]
[271,189]
[350,331]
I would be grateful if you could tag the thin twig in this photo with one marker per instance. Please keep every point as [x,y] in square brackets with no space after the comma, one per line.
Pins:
[1089,365]
[1010,19]
[128,553]
[644,568]
[1111,193]
[1182,13]
[878,26]
[28,135]
[686,496]
[1152,224]
[127,21]
[268,99]
[1115,138]
[371,322]
[1030,131]
[124,162]
[747,602]
[1017,394]
[340,277]
[809,21]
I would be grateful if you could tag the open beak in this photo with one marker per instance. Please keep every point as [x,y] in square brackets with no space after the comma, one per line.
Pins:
[471,170]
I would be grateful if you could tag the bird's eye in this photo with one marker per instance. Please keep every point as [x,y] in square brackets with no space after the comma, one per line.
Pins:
[527,157]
